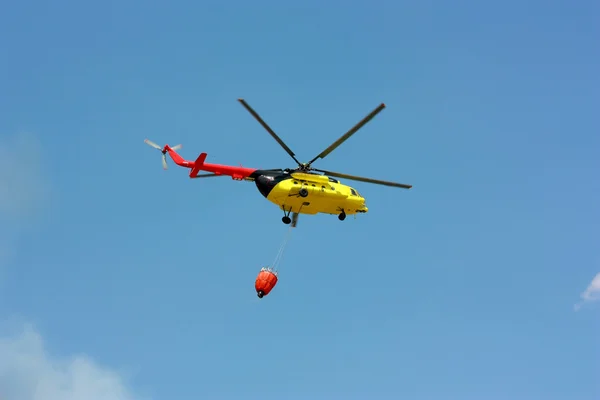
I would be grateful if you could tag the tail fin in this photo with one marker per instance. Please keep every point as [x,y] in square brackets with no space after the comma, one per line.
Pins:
[198,165]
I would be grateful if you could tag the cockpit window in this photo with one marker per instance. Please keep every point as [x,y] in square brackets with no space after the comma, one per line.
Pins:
[353,192]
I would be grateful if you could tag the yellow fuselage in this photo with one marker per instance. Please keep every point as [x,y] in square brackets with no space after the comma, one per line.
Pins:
[305,193]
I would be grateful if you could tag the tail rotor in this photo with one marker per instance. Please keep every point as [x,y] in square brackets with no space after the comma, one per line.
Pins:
[162,150]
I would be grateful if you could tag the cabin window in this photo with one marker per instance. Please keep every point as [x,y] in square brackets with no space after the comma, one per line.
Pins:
[295,182]
[353,192]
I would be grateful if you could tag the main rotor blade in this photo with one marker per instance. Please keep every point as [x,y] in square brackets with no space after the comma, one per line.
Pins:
[368,180]
[351,132]
[268,128]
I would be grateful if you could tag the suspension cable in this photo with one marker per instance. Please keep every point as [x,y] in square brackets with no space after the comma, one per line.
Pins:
[279,255]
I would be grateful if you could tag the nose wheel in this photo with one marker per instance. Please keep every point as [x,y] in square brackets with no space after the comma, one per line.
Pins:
[342,216]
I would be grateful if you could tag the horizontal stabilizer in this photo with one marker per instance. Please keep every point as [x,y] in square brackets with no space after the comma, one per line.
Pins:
[205,176]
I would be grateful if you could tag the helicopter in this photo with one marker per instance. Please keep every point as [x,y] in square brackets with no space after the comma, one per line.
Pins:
[301,190]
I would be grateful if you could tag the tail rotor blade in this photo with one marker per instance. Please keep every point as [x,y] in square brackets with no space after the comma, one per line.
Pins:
[164,155]
[152,144]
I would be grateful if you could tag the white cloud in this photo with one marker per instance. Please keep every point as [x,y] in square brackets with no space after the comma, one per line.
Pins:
[591,293]
[28,372]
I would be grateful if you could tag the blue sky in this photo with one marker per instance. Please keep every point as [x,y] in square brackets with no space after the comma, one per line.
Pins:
[120,278]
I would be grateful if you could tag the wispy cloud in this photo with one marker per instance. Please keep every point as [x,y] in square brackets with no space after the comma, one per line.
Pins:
[28,372]
[23,178]
[591,293]
[24,188]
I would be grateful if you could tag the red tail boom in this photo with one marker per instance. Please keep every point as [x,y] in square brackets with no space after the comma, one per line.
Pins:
[236,173]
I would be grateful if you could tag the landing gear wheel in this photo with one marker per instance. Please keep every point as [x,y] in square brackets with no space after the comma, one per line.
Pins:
[286,220]
[260,294]
[303,192]
[342,216]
